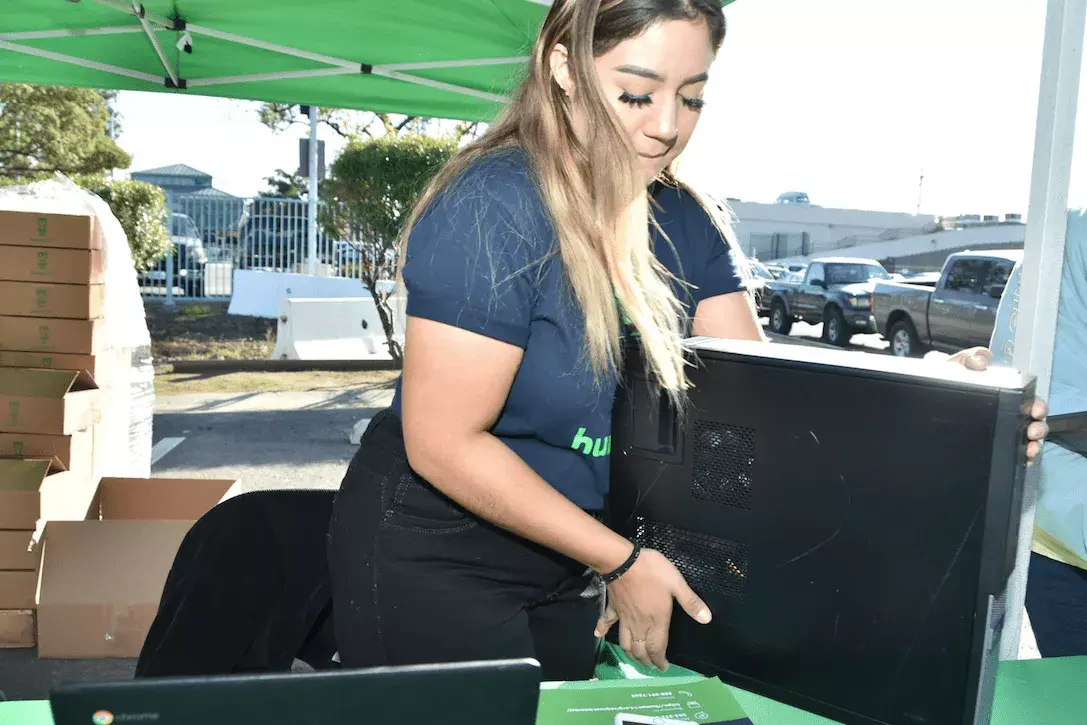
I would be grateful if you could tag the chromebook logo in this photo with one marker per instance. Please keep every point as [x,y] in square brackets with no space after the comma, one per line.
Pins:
[102,717]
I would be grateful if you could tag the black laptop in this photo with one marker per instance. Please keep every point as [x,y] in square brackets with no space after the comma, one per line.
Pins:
[503,692]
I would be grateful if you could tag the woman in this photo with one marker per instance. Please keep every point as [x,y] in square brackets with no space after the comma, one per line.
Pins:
[467,525]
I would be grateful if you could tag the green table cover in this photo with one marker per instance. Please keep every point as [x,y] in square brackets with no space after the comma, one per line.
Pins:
[1029,692]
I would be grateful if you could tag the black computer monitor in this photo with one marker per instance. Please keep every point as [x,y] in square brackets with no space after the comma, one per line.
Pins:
[504,692]
[851,519]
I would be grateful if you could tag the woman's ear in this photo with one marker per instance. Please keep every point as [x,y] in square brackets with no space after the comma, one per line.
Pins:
[560,68]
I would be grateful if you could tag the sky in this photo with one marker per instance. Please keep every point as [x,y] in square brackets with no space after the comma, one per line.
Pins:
[850,101]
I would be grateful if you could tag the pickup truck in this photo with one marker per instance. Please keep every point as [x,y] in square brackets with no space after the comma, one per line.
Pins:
[957,311]
[835,291]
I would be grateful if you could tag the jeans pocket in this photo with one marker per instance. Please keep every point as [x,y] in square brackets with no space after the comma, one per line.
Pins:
[418,506]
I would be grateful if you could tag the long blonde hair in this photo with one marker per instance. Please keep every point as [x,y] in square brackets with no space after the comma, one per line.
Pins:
[592,186]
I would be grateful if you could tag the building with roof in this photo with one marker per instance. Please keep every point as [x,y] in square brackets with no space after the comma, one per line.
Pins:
[181,180]
[793,230]
[191,193]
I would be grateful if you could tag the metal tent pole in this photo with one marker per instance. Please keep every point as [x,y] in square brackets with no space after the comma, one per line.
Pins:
[311,235]
[1043,260]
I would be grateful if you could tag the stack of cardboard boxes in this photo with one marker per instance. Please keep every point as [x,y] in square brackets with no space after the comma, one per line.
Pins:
[52,271]
[83,554]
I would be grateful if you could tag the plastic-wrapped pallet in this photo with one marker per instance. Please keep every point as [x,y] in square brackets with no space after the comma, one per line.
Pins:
[123,436]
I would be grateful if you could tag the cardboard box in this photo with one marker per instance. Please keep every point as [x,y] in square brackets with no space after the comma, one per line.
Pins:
[17,551]
[68,453]
[31,493]
[68,301]
[94,370]
[47,334]
[32,229]
[45,401]
[17,630]
[58,266]
[101,580]
[17,589]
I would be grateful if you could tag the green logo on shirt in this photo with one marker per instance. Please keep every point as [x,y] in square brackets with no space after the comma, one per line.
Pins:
[595,447]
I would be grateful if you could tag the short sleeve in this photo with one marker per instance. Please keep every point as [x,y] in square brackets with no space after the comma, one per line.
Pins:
[719,274]
[473,255]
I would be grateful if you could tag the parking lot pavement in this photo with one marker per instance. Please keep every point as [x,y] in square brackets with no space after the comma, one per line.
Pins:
[268,440]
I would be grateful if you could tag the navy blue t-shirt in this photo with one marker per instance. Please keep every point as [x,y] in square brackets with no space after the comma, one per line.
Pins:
[484,257]
[697,255]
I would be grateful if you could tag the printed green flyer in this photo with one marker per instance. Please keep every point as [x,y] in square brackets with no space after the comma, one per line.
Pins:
[689,699]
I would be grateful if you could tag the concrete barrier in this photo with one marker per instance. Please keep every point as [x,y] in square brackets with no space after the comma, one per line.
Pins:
[258,294]
[345,328]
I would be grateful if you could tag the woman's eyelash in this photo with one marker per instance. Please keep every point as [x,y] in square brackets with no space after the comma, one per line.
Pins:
[695,104]
[636,101]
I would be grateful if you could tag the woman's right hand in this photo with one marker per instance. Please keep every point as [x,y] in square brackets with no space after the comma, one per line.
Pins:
[640,601]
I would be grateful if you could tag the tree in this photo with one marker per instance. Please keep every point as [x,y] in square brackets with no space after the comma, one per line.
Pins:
[349,124]
[283,185]
[373,185]
[141,209]
[45,130]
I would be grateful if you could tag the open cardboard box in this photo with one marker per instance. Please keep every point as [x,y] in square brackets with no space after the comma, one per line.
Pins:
[17,551]
[102,578]
[93,371]
[32,491]
[45,401]
[73,452]
[17,628]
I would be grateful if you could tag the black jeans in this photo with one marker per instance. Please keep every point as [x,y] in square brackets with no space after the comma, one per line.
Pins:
[417,579]
[1057,606]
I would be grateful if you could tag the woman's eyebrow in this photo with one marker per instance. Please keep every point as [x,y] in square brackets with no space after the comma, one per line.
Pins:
[637,70]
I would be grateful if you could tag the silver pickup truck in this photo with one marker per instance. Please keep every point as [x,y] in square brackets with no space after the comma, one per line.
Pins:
[958,312]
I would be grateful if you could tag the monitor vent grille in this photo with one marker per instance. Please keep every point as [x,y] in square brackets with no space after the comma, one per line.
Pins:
[709,564]
[724,462]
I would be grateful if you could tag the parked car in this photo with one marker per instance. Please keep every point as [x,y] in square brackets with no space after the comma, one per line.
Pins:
[776,270]
[189,256]
[758,276]
[836,292]
[957,311]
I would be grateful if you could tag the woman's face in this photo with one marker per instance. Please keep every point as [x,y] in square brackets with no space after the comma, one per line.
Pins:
[654,83]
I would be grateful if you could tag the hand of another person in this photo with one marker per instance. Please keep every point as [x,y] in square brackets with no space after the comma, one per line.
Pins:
[979,358]
[641,602]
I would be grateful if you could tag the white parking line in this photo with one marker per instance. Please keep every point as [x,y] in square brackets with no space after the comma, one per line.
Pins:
[163,447]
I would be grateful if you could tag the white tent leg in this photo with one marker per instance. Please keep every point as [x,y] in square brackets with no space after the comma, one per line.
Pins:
[1047,223]
[311,235]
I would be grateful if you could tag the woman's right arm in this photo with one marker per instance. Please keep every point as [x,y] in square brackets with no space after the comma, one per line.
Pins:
[454,387]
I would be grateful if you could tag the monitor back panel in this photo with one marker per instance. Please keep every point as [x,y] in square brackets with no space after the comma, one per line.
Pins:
[851,530]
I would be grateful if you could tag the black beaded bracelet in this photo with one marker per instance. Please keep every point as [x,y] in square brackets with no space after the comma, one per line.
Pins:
[624,567]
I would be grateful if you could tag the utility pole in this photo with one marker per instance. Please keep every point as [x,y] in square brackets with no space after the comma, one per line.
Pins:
[920,191]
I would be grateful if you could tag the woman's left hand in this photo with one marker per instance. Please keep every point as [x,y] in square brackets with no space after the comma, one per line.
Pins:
[978,358]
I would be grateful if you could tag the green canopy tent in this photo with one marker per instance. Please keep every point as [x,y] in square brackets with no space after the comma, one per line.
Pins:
[441,58]
[459,59]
